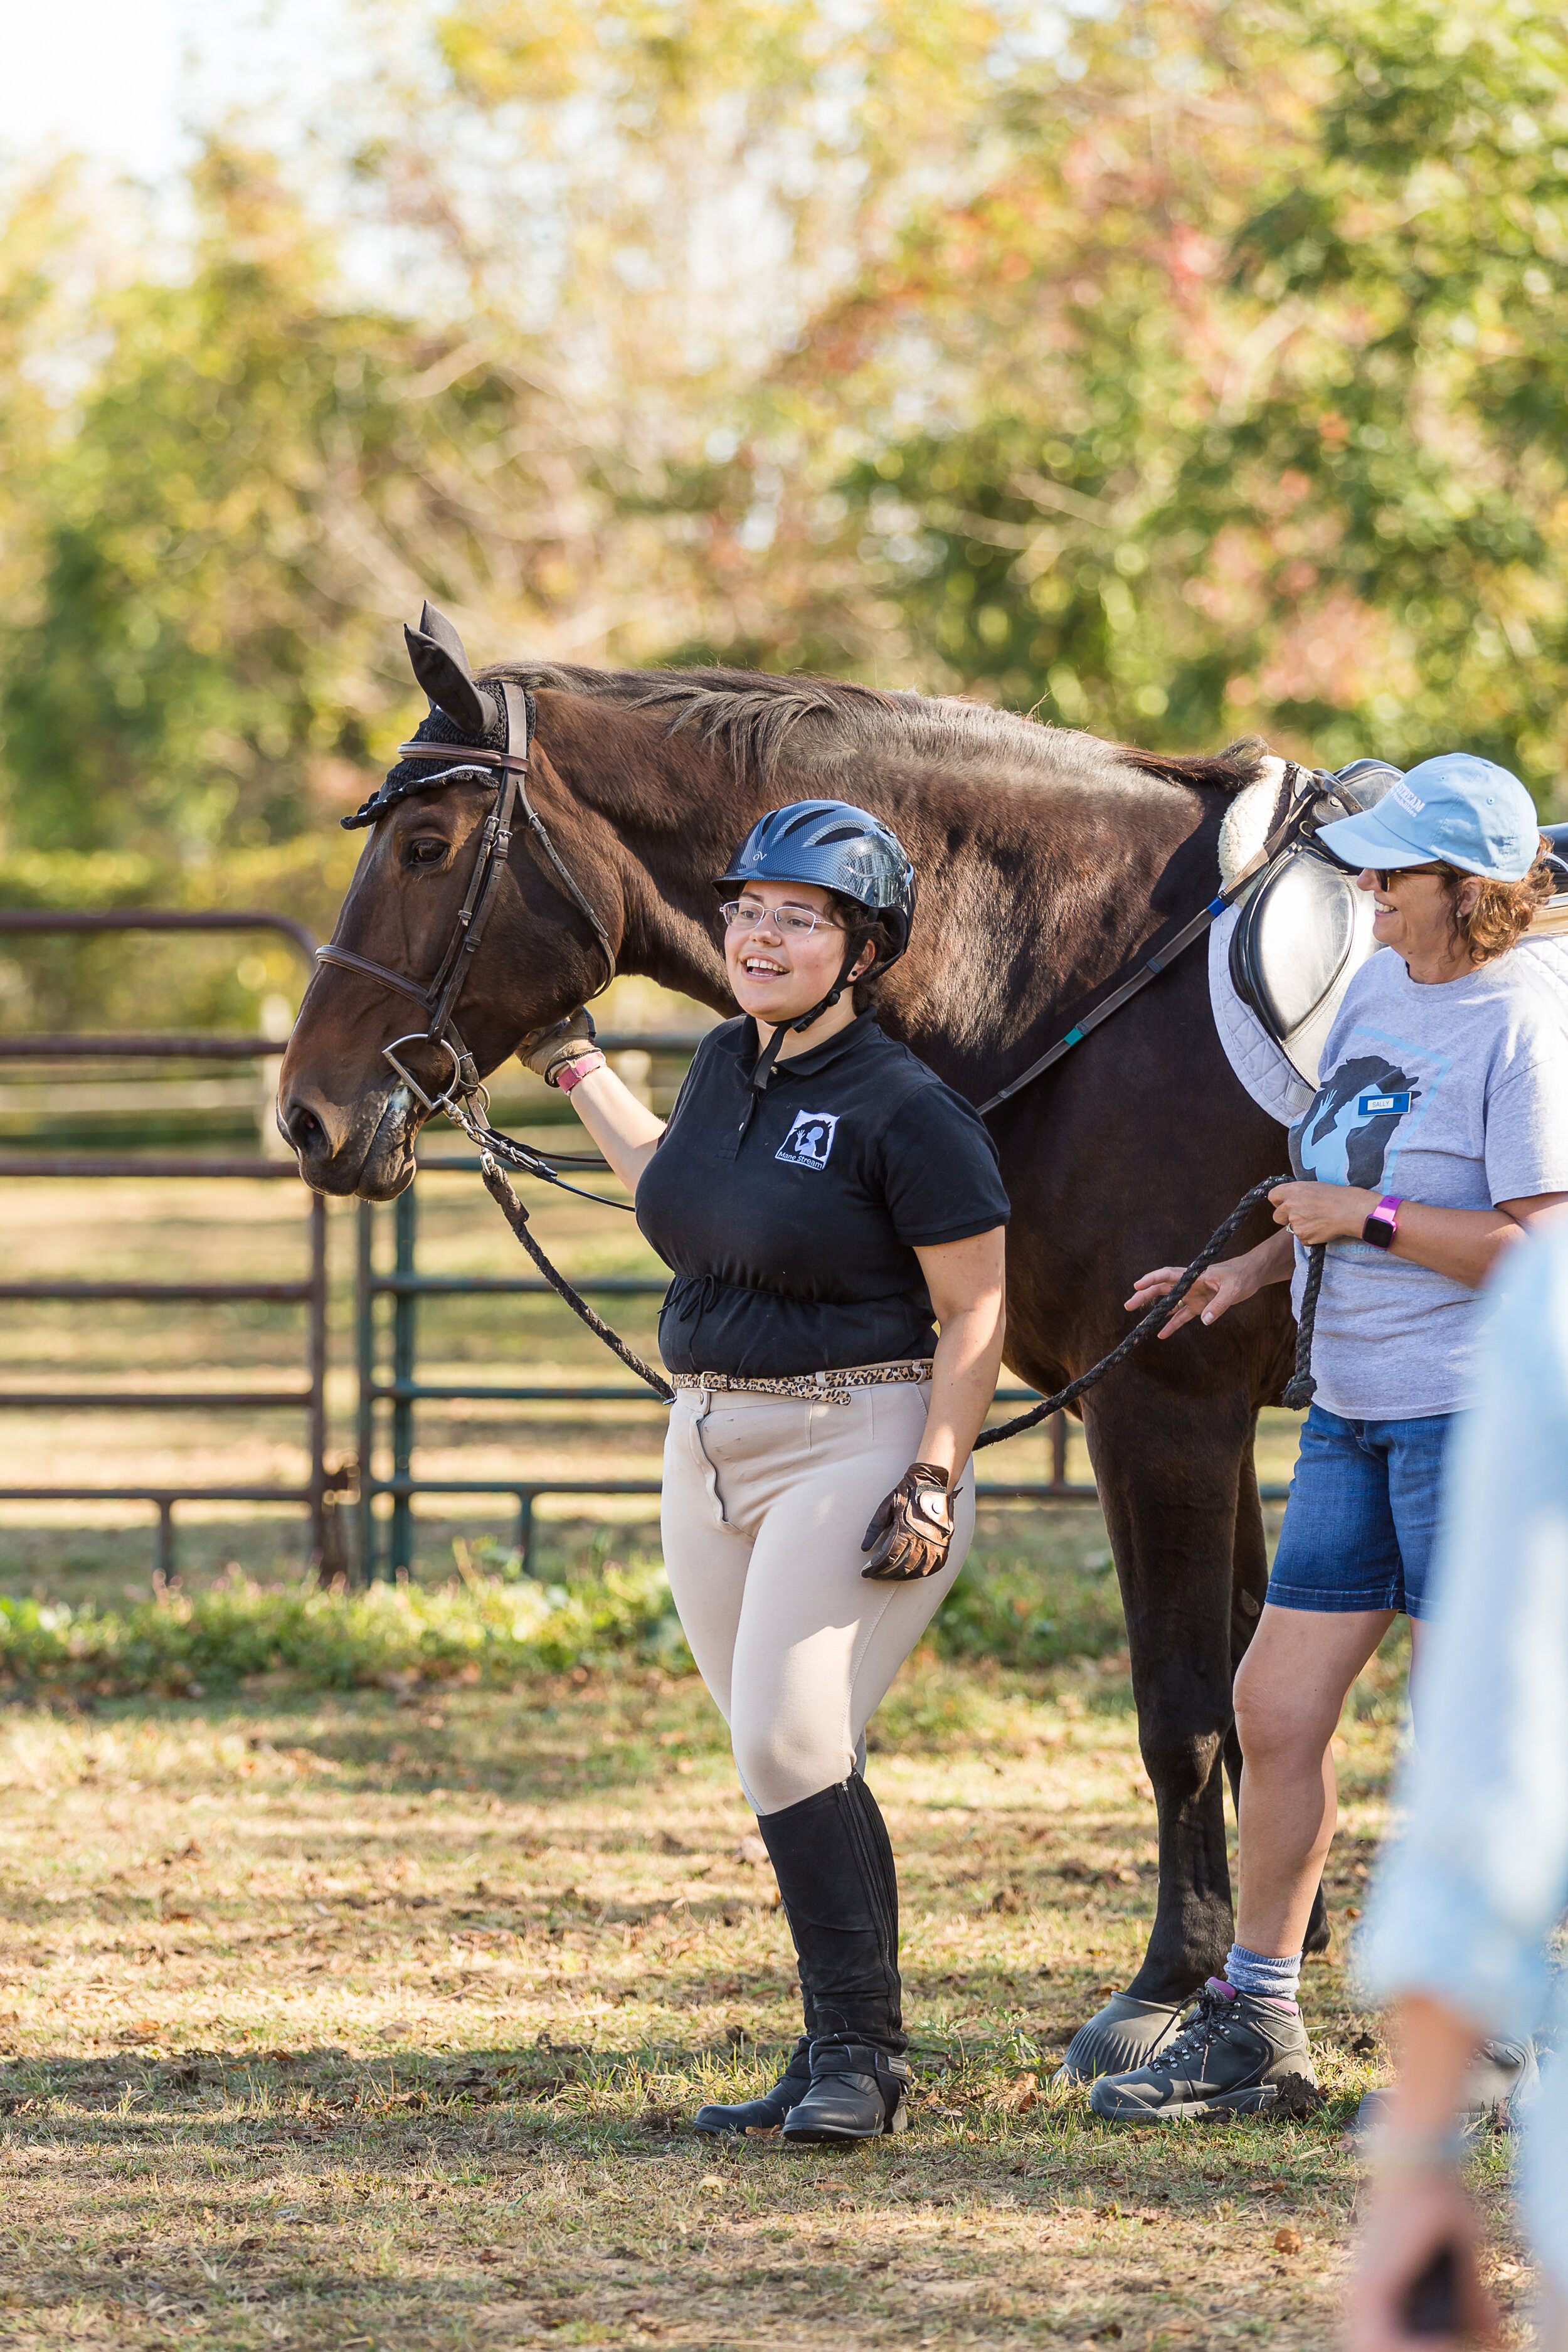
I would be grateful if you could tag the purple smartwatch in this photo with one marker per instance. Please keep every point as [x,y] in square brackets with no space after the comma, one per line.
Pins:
[1383,1222]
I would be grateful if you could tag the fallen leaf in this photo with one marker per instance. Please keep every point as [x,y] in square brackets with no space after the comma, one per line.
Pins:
[752,1852]
[1287,2241]
[711,2180]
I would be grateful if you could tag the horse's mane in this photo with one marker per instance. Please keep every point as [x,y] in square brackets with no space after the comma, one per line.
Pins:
[768,725]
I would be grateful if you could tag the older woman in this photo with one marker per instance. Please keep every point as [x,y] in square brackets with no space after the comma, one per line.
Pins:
[1439,1131]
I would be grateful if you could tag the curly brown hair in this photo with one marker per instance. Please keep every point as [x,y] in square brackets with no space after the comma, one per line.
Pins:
[1502,913]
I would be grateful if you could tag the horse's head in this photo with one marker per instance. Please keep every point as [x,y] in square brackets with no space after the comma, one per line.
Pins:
[400,975]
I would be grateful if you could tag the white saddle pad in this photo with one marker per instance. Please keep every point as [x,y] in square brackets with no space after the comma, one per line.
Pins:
[1261,1065]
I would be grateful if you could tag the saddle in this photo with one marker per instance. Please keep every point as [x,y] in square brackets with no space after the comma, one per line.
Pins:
[1304,929]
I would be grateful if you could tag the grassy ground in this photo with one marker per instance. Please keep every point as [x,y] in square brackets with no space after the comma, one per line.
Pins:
[375,2020]
[371,2018]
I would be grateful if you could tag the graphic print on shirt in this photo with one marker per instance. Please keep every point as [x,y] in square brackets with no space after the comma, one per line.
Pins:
[1344,1136]
[809,1141]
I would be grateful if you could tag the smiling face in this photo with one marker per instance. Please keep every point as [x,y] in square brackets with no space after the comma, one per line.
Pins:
[1415,917]
[776,975]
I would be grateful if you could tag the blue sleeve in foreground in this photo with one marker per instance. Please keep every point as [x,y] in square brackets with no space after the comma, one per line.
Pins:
[1468,1896]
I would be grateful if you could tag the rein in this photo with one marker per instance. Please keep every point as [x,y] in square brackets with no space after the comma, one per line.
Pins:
[1124,985]
[1298,1394]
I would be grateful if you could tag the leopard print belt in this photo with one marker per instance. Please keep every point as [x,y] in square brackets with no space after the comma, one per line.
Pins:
[832,1387]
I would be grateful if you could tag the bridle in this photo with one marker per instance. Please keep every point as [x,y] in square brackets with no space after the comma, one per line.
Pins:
[439,995]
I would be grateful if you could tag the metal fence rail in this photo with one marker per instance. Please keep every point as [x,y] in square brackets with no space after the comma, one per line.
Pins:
[309,1291]
[389,1392]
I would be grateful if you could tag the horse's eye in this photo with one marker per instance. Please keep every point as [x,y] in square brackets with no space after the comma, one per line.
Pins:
[425,849]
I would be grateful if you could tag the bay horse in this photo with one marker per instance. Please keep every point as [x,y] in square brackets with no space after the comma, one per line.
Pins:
[1046,859]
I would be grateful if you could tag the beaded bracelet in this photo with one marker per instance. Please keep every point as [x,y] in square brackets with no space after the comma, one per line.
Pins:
[571,1074]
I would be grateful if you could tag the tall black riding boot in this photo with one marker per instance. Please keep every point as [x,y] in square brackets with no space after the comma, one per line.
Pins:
[834,1862]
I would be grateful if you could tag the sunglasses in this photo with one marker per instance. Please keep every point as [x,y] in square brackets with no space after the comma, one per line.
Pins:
[1386,875]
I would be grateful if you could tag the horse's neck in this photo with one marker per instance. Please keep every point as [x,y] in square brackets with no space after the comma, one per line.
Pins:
[668,816]
[1015,921]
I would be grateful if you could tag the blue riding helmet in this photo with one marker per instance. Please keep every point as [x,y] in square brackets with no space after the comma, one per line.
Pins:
[839,847]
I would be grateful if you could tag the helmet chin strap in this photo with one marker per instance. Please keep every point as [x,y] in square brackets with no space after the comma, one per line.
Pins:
[763,1071]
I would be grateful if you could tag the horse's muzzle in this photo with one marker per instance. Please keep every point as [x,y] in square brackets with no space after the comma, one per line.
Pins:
[365,1148]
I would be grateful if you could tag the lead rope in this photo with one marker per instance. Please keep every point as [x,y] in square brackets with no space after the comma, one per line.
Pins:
[1303,1388]
[1298,1394]
[516,1215]
[1162,1314]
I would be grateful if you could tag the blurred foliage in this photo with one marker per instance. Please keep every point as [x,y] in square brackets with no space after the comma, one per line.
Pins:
[1191,369]
[1253,366]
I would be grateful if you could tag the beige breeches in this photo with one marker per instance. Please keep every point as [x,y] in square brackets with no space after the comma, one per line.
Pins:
[765,1501]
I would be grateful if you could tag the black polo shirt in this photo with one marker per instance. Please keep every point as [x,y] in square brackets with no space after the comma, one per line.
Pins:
[791,1218]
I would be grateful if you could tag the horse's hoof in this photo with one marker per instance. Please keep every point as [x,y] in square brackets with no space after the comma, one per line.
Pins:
[1120,2037]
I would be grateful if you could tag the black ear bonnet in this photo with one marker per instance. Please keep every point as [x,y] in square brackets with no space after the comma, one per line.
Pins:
[463,712]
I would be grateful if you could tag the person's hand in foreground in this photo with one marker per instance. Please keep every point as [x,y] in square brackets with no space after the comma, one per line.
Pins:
[1416,2203]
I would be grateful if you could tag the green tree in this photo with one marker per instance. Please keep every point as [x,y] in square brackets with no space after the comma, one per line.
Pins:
[1244,386]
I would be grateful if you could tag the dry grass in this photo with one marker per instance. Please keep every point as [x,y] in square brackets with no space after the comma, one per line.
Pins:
[369,2023]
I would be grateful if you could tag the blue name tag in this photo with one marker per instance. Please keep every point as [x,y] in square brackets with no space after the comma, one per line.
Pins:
[1368,1105]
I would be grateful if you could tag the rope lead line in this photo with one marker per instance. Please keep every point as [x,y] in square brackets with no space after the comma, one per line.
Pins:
[1163,1312]
[1298,1393]
[1303,1388]
[516,1215]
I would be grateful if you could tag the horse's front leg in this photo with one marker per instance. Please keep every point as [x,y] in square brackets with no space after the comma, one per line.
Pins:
[1170,1466]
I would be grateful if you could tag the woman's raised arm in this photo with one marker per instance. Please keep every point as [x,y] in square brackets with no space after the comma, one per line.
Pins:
[625,1129]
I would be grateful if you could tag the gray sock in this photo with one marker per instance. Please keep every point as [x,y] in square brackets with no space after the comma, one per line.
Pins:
[1263,1975]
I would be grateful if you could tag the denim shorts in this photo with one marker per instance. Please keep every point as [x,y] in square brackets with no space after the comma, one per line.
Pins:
[1362,1516]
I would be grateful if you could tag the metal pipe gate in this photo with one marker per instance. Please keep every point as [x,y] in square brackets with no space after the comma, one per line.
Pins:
[388,1396]
[308,1291]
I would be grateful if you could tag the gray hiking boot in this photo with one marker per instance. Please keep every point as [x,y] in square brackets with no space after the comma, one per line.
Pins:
[1235,2055]
[1498,2082]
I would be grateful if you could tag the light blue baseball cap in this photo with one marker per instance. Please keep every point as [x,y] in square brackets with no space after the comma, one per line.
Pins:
[1465,811]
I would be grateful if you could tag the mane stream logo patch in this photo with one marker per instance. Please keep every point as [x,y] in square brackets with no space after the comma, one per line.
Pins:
[809,1141]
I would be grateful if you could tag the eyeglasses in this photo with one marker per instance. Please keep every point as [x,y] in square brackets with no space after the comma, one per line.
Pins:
[1386,876]
[794,922]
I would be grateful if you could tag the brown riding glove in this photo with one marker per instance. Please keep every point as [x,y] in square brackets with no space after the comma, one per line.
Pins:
[547,1051]
[912,1528]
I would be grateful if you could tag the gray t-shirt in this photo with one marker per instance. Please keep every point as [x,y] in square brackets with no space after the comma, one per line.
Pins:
[1454,1092]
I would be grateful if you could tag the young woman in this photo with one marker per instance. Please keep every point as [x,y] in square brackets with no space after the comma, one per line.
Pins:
[828,1208]
[1438,1132]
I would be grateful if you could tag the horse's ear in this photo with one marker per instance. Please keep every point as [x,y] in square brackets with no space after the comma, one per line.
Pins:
[437,658]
